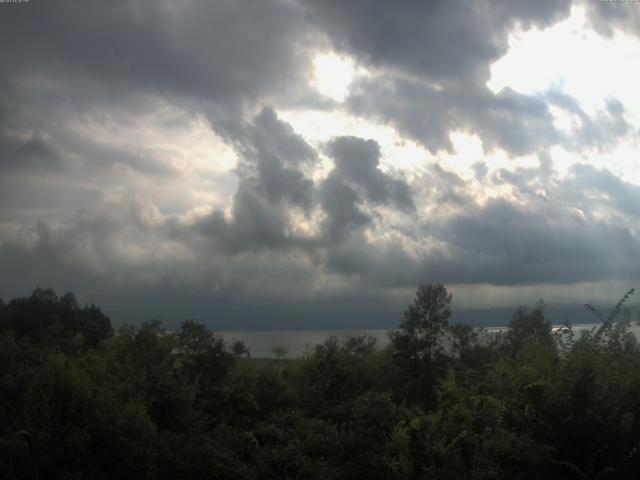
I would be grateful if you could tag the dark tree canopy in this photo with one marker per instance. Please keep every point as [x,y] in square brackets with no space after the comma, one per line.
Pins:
[440,401]
[44,316]
[417,341]
[529,325]
[425,321]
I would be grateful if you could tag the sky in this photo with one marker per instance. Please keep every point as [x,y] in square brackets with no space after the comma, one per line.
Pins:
[307,163]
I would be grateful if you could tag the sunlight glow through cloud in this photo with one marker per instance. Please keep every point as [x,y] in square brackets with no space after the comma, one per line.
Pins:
[318,127]
[333,75]
[571,58]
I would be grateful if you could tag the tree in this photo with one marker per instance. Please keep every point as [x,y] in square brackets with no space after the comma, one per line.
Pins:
[425,321]
[204,359]
[463,339]
[194,338]
[417,340]
[532,326]
[239,349]
[280,352]
[59,321]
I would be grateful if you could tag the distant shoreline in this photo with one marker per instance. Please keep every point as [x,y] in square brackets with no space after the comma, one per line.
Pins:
[294,342]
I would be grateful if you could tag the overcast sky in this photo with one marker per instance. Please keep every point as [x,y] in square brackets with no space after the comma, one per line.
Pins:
[286,162]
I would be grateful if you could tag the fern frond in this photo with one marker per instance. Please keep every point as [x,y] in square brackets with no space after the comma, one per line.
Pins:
[595,311]
[616,310]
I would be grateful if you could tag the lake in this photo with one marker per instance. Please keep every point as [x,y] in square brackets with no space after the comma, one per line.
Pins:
[295,342]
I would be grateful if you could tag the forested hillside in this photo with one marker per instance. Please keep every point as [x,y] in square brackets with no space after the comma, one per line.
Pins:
[80,401]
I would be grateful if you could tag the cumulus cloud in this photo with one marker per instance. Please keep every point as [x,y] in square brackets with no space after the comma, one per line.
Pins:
[271,182]
[606,17]
[602,130]
[357,162]
[224,50]
[452,41]
[105,106]
[504,243]
[430,63]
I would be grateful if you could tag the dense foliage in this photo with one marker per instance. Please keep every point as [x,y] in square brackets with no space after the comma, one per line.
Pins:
[79,401]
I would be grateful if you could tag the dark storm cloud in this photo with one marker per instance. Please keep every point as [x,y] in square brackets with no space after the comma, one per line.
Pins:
[552,231]
[445,188]
[343,208]
[518,123]
[587,182]
[254,224]
[72,64]
[442,41]
[500,242]
[71,61]
[223,50]
[97,245]
[272,156]
[384,265]
[273,137]
[73,71]
[555,232]
[271,182]
[430,64]
[354,188]
[607,16]
[29,152]
[504,243]
[357,161]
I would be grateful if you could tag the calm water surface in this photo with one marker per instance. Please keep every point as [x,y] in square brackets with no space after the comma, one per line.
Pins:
[295,342]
